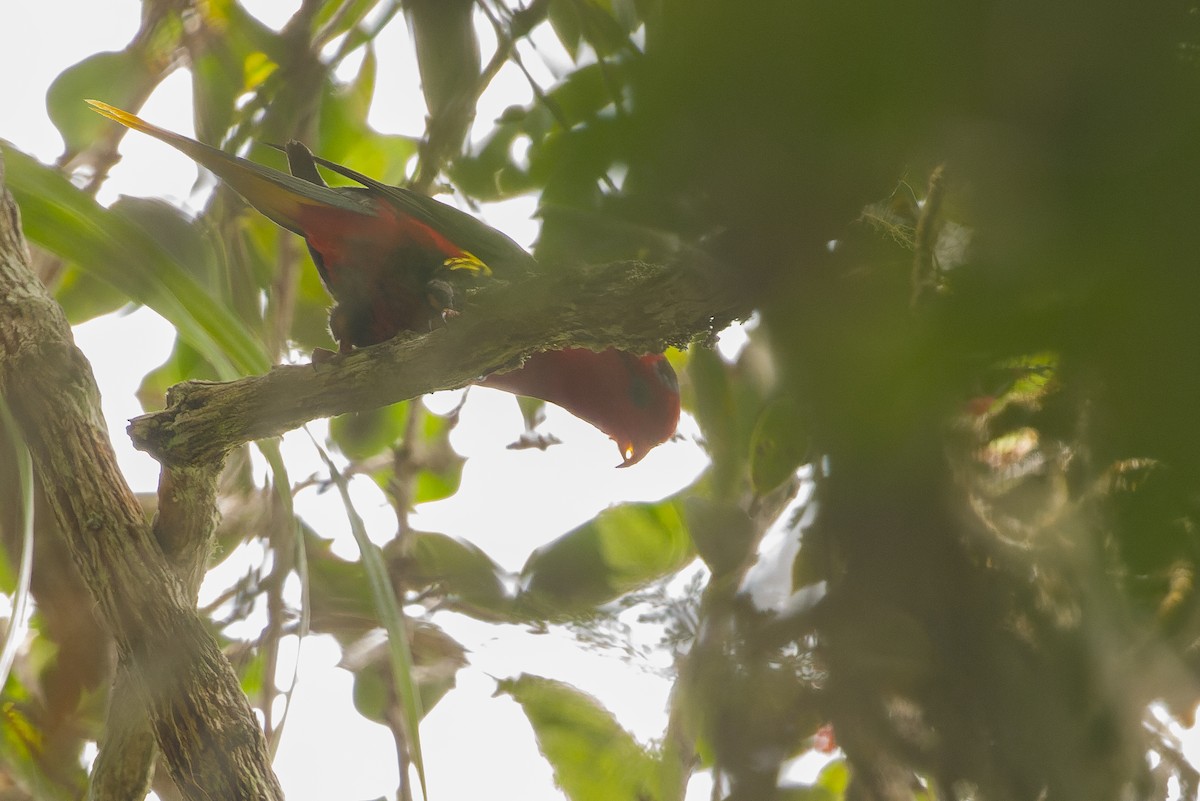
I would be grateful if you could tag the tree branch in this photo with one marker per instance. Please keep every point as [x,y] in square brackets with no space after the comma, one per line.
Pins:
[200,717]
[630,305]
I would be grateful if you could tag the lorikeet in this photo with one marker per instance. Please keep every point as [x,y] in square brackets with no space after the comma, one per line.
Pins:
[395,260]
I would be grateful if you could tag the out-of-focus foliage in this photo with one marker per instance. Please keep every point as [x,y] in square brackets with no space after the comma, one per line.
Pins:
[962,428]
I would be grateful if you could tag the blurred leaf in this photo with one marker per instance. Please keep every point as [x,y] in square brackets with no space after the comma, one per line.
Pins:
[122,78]
[361,91]
[383,596]
[585,92]
[437,658]
[66,222]
[779,445]
[435,485]
[835,777]
[458,569]
[593,758]
[246,34]
[178,235]
[184,364]
[341,600]
[448,58]
[570,165]
[252,672]
[361,435]
[621,549]
[18,455]
[371,696]
[594,20]
[25,754]
[310,322]
[441,466]
[347,138]
[83,296]
[716,413]
[564,18]
[334,19]
[490,172]
[218,79]
[722,532]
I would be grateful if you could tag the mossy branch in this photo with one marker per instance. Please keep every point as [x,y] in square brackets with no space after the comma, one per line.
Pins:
[631,305]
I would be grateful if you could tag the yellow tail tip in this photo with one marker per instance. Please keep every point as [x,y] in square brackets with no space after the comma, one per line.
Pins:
[114,113]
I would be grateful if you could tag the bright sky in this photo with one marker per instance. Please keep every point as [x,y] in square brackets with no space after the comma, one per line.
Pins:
[529,497]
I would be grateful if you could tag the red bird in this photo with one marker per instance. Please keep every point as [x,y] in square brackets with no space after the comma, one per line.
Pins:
[395,260]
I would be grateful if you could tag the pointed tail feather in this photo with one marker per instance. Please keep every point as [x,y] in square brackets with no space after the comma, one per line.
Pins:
[280,197]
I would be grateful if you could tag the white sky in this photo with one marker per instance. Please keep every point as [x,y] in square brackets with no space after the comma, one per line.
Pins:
[529,497]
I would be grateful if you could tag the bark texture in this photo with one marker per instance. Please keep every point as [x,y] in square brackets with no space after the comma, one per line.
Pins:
[632,305]
[199,715]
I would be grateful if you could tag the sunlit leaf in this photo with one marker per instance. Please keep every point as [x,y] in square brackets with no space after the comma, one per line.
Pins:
[622,548]
[593,758]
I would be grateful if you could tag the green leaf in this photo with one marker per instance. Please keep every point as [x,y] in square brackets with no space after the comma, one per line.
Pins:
[218,79]
[361,435]
[439,658]
[835,777]
[345,137]
[252,672]
[716,413]
[112,246]
[22,469]
[341,601]
[184,364]
[601,28]
[392,616]
[593,758]
[722,532]
[334,19]
[83,296]
[442,467]
[246,33]
[779,445]
[121,78]
[564,18]
[621,549]
[585,92]
[175,233]
[24,751]
[448,59]
[460,569]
